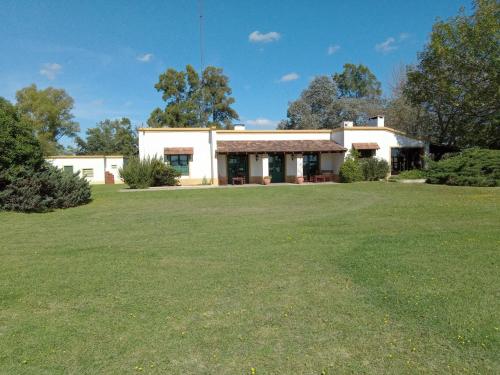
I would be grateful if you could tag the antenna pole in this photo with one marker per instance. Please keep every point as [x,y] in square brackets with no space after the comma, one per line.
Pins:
[202,64]
[200,7]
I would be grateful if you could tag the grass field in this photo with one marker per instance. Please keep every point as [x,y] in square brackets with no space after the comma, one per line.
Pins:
[374,278]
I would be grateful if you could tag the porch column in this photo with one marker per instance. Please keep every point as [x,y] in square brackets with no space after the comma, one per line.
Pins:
[294,168]
[264,164]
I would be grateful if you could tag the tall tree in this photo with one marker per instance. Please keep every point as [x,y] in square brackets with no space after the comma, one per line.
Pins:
[19,146]
[457,78]
[323,105]
[403,114]
[216,98]
[357,81]
[191,102]
[110,137]
[49,113]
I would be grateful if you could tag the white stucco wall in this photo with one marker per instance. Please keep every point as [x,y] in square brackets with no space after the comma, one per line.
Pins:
[386,139]
[272,136]
[152,143]
[99,164]
[204,144]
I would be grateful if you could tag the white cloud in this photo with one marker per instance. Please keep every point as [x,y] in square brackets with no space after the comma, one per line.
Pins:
[261,121]
[258,37]
[403,36]
[147,57]
[289,77]
[332,49]
[386,46]
[50,70]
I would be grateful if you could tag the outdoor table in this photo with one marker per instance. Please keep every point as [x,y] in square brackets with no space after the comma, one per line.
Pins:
[319,178]
[238,180]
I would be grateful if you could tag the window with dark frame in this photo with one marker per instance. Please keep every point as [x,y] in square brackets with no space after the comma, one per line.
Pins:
[366,153]
[179,162]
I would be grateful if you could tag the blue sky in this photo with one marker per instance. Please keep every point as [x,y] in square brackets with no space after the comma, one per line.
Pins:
[108,54]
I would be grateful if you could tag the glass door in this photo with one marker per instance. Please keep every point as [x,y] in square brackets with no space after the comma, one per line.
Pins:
[277,167]
[310,166]
[237,166]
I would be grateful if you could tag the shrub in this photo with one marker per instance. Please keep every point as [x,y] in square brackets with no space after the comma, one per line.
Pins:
[472,167]
[351,170]
[374,169]
[27,183]
[143,173]
[43,190]
[412,174]
[18,144]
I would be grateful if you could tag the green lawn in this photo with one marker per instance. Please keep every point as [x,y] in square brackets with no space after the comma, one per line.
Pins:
[372,278]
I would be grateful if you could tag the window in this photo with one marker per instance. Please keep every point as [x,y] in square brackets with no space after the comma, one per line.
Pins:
[366,153]
[68,169]
[310,165]
[406,158]
[89,172]
[179,162]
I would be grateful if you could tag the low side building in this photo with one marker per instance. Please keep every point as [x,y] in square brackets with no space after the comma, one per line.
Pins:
[215,156]
[97,169]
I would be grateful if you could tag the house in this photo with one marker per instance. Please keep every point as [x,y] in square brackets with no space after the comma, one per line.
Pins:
[217,156]
[97,169]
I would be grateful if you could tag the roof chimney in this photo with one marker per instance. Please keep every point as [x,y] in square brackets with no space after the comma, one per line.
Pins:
[377,121]
[239,126]
[346,124]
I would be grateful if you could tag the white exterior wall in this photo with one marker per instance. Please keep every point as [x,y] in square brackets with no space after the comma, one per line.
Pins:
[152,143]
[386,139]
[98,164]
[272,136]
[254,166]
[221,165]
[206,164]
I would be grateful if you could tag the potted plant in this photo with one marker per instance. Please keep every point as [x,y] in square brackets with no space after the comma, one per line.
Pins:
[300,179]
[267,180]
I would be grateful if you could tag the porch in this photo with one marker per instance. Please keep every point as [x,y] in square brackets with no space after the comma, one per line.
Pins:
[263,162]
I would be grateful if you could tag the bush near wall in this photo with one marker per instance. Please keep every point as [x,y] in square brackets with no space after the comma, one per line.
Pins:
[374,169]
[351,170]
[472,167]
[143,173]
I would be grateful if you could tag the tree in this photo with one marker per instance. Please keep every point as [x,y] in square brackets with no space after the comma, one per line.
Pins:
[19,147]
[216,98]
[357,81]
[194,103]
[49,113]
[323,105]
[403,114]
[109,137]
[457,78]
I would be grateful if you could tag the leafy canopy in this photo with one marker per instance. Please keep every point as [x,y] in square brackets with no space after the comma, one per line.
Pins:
[191,102]
[49,113]
[19,147]
[110,137]
[351,95]
[357,81]
[457,78]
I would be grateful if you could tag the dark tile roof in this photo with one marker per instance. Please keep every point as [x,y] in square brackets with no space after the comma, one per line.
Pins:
[224,147]
[178,151]
[365,146]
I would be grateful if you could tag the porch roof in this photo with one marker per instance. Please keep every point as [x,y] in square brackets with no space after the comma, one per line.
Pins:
[366,146]
[298,146]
